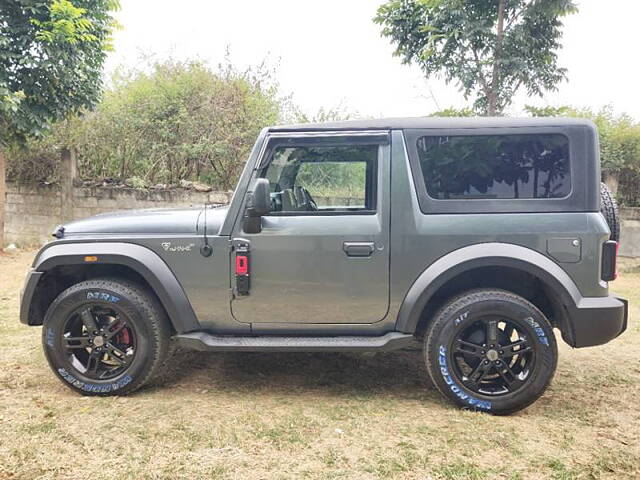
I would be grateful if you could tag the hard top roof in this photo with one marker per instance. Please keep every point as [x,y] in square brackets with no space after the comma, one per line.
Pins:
[435,122]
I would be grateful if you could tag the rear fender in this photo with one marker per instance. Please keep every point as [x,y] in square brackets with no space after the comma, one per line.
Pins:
[483,255]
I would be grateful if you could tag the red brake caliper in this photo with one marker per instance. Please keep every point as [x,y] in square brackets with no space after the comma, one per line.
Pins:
[124,337]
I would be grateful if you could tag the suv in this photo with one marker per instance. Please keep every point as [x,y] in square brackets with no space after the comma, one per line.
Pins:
[474,237]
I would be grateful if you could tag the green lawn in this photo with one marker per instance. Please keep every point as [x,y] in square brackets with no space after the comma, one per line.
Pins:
[290,416]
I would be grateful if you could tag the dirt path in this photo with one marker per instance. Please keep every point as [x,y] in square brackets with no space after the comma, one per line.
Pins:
[264,416]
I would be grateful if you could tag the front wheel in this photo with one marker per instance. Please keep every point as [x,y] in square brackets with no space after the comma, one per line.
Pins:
[491,350]
[105,337]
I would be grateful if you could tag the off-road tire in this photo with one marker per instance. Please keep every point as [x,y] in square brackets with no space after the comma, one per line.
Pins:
[609,209]
[460,313]
[144,313]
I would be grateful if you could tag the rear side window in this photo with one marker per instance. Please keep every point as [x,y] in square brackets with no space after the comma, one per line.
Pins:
[495,167]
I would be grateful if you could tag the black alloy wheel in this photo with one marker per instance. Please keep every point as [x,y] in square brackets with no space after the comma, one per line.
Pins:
[106,336]
[99,341]
[493,356]
[490,350]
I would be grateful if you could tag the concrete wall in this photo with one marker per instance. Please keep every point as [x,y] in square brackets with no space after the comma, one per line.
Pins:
[32,212]
[630,232]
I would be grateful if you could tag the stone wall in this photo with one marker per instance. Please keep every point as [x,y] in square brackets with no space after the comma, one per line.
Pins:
[630,232]
[32,212]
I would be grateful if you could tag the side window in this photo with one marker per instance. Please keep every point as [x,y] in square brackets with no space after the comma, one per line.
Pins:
[318,179]
[495,166]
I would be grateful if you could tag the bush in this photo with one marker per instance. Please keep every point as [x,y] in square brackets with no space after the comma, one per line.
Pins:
[619,146]
[176,121]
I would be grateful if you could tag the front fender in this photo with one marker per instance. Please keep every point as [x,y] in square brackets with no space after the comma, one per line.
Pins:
[483,255]
[140,259]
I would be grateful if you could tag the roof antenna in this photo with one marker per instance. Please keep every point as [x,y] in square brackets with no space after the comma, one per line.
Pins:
[206,250]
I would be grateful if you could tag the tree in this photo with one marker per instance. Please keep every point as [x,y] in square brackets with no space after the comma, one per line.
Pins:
[489,48]
[177,121]
[51,57]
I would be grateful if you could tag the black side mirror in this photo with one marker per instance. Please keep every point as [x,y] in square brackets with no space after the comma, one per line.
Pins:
[259,204]
[260,201]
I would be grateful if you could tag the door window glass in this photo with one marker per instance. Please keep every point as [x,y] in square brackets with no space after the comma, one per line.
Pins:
[322,179]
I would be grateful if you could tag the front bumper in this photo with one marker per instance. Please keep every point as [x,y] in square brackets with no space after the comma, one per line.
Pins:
[595,321]
[26,295]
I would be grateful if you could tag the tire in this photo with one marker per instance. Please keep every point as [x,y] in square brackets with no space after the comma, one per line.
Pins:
[477,377]
[609,209]
[132,342]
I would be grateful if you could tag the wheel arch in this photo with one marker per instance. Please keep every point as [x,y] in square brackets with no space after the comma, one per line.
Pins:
[428,291]
[130,260]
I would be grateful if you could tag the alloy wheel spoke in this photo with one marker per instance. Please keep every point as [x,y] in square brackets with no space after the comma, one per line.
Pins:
[468,348]
[117,354]
[89,320]
[112,333]
[479,372]
[76,342]
[516,348]
[507,380]
[93,362]
[492,332]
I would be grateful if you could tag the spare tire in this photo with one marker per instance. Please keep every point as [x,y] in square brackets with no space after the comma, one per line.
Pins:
[609,209]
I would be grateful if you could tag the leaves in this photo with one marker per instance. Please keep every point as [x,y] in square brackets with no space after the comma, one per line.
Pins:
[458,39]
[167,122]
[51,58]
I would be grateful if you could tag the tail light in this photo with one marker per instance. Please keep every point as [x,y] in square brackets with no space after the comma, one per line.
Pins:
[609,260]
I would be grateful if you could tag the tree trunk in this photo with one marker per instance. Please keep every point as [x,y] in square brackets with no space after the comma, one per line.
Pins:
[492,100]
[3,191]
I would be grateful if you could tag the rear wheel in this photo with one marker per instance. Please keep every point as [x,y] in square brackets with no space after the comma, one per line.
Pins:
[105,337]
[491,350]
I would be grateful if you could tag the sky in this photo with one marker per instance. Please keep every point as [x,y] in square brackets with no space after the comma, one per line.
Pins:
[330,54]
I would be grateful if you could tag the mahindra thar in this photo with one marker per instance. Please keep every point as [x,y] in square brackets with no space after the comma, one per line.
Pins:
[476,238]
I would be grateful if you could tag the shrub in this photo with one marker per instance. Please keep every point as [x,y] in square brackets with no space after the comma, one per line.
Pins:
[174,121]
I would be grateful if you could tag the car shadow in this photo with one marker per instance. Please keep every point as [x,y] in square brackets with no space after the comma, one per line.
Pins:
[401,373]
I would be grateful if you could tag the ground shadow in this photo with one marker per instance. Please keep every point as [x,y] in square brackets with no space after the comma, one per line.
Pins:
[400,373]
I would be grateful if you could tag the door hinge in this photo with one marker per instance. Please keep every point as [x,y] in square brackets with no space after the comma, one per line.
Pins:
[242,266]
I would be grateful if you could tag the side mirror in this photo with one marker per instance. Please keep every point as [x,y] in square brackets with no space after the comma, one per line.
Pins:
[260,202]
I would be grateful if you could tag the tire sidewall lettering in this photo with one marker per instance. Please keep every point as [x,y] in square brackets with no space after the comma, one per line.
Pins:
[95,387]
[454,387]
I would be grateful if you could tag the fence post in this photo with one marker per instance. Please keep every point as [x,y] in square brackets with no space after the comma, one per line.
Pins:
[67,177]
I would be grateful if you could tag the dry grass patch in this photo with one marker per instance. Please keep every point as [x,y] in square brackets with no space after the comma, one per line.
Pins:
[317,416]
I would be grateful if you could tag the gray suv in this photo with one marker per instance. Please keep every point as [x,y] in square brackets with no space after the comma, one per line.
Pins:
[474,237]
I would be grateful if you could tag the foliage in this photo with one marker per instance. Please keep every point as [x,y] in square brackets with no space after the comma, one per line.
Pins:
[489,48]
[547,111]
[619,134]
[51,57]
[619,145]
[454,112]
[170,121]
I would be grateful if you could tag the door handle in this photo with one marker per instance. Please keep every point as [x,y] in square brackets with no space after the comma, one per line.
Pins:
[358,249]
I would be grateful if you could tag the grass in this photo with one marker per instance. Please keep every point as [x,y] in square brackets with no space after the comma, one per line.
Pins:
[315,416]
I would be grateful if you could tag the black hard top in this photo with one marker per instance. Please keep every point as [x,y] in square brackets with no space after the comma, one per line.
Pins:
[435,122]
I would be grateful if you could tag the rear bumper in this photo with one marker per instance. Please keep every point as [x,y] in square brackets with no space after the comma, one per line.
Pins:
[595,321]
[26,295]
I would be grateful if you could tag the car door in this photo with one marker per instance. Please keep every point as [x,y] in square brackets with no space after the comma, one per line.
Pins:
[322,255]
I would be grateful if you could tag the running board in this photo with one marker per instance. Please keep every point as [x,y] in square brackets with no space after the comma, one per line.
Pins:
[217,343]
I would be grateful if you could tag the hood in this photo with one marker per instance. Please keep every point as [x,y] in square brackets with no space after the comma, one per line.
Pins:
[149,221]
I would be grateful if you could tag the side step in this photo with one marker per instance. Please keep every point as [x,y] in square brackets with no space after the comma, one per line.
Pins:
[217,343]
